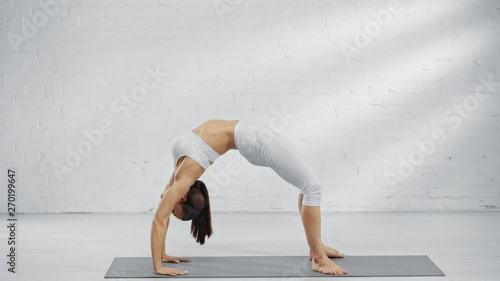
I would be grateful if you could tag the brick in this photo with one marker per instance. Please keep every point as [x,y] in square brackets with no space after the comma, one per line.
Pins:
[17,79]
[132,22]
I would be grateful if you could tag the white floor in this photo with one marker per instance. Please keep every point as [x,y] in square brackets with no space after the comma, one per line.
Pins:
[466,246]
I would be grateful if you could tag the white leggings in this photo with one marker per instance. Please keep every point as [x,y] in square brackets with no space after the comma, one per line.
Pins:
[263,147]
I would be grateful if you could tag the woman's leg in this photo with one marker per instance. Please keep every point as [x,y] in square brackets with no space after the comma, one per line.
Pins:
[280,155]
[330,252]
[319,253]
[311,219]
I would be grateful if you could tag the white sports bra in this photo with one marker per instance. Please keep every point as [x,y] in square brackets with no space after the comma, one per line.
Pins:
[191,145]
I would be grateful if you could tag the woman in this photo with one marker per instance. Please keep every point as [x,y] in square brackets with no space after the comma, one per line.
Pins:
[187,198]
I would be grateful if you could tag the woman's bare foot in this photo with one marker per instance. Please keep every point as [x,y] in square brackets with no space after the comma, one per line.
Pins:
[327,266]
[330,252]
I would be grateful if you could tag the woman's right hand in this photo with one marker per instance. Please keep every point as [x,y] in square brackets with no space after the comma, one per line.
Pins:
[170,271]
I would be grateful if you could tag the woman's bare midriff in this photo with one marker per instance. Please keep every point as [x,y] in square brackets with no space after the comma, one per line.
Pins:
[218,134]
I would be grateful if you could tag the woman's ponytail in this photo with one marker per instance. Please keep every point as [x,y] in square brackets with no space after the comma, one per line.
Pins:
[201,225]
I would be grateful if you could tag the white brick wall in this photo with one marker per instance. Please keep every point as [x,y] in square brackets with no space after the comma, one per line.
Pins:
[357,115]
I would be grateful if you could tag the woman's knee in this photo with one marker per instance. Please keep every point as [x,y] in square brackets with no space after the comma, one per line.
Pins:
[312,194]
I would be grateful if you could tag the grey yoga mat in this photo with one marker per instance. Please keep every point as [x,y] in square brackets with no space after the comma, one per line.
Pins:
[275,266]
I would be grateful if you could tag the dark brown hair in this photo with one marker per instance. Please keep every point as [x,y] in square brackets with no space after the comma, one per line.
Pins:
[197,209]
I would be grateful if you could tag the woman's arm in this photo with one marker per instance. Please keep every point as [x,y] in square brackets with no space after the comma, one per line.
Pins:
[170,182]
[161,220]
[187,173]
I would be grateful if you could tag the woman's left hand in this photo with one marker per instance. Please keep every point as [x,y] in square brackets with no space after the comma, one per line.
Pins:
[167,258]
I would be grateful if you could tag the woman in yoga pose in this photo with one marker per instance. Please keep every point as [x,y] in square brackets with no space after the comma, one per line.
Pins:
[187,198]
